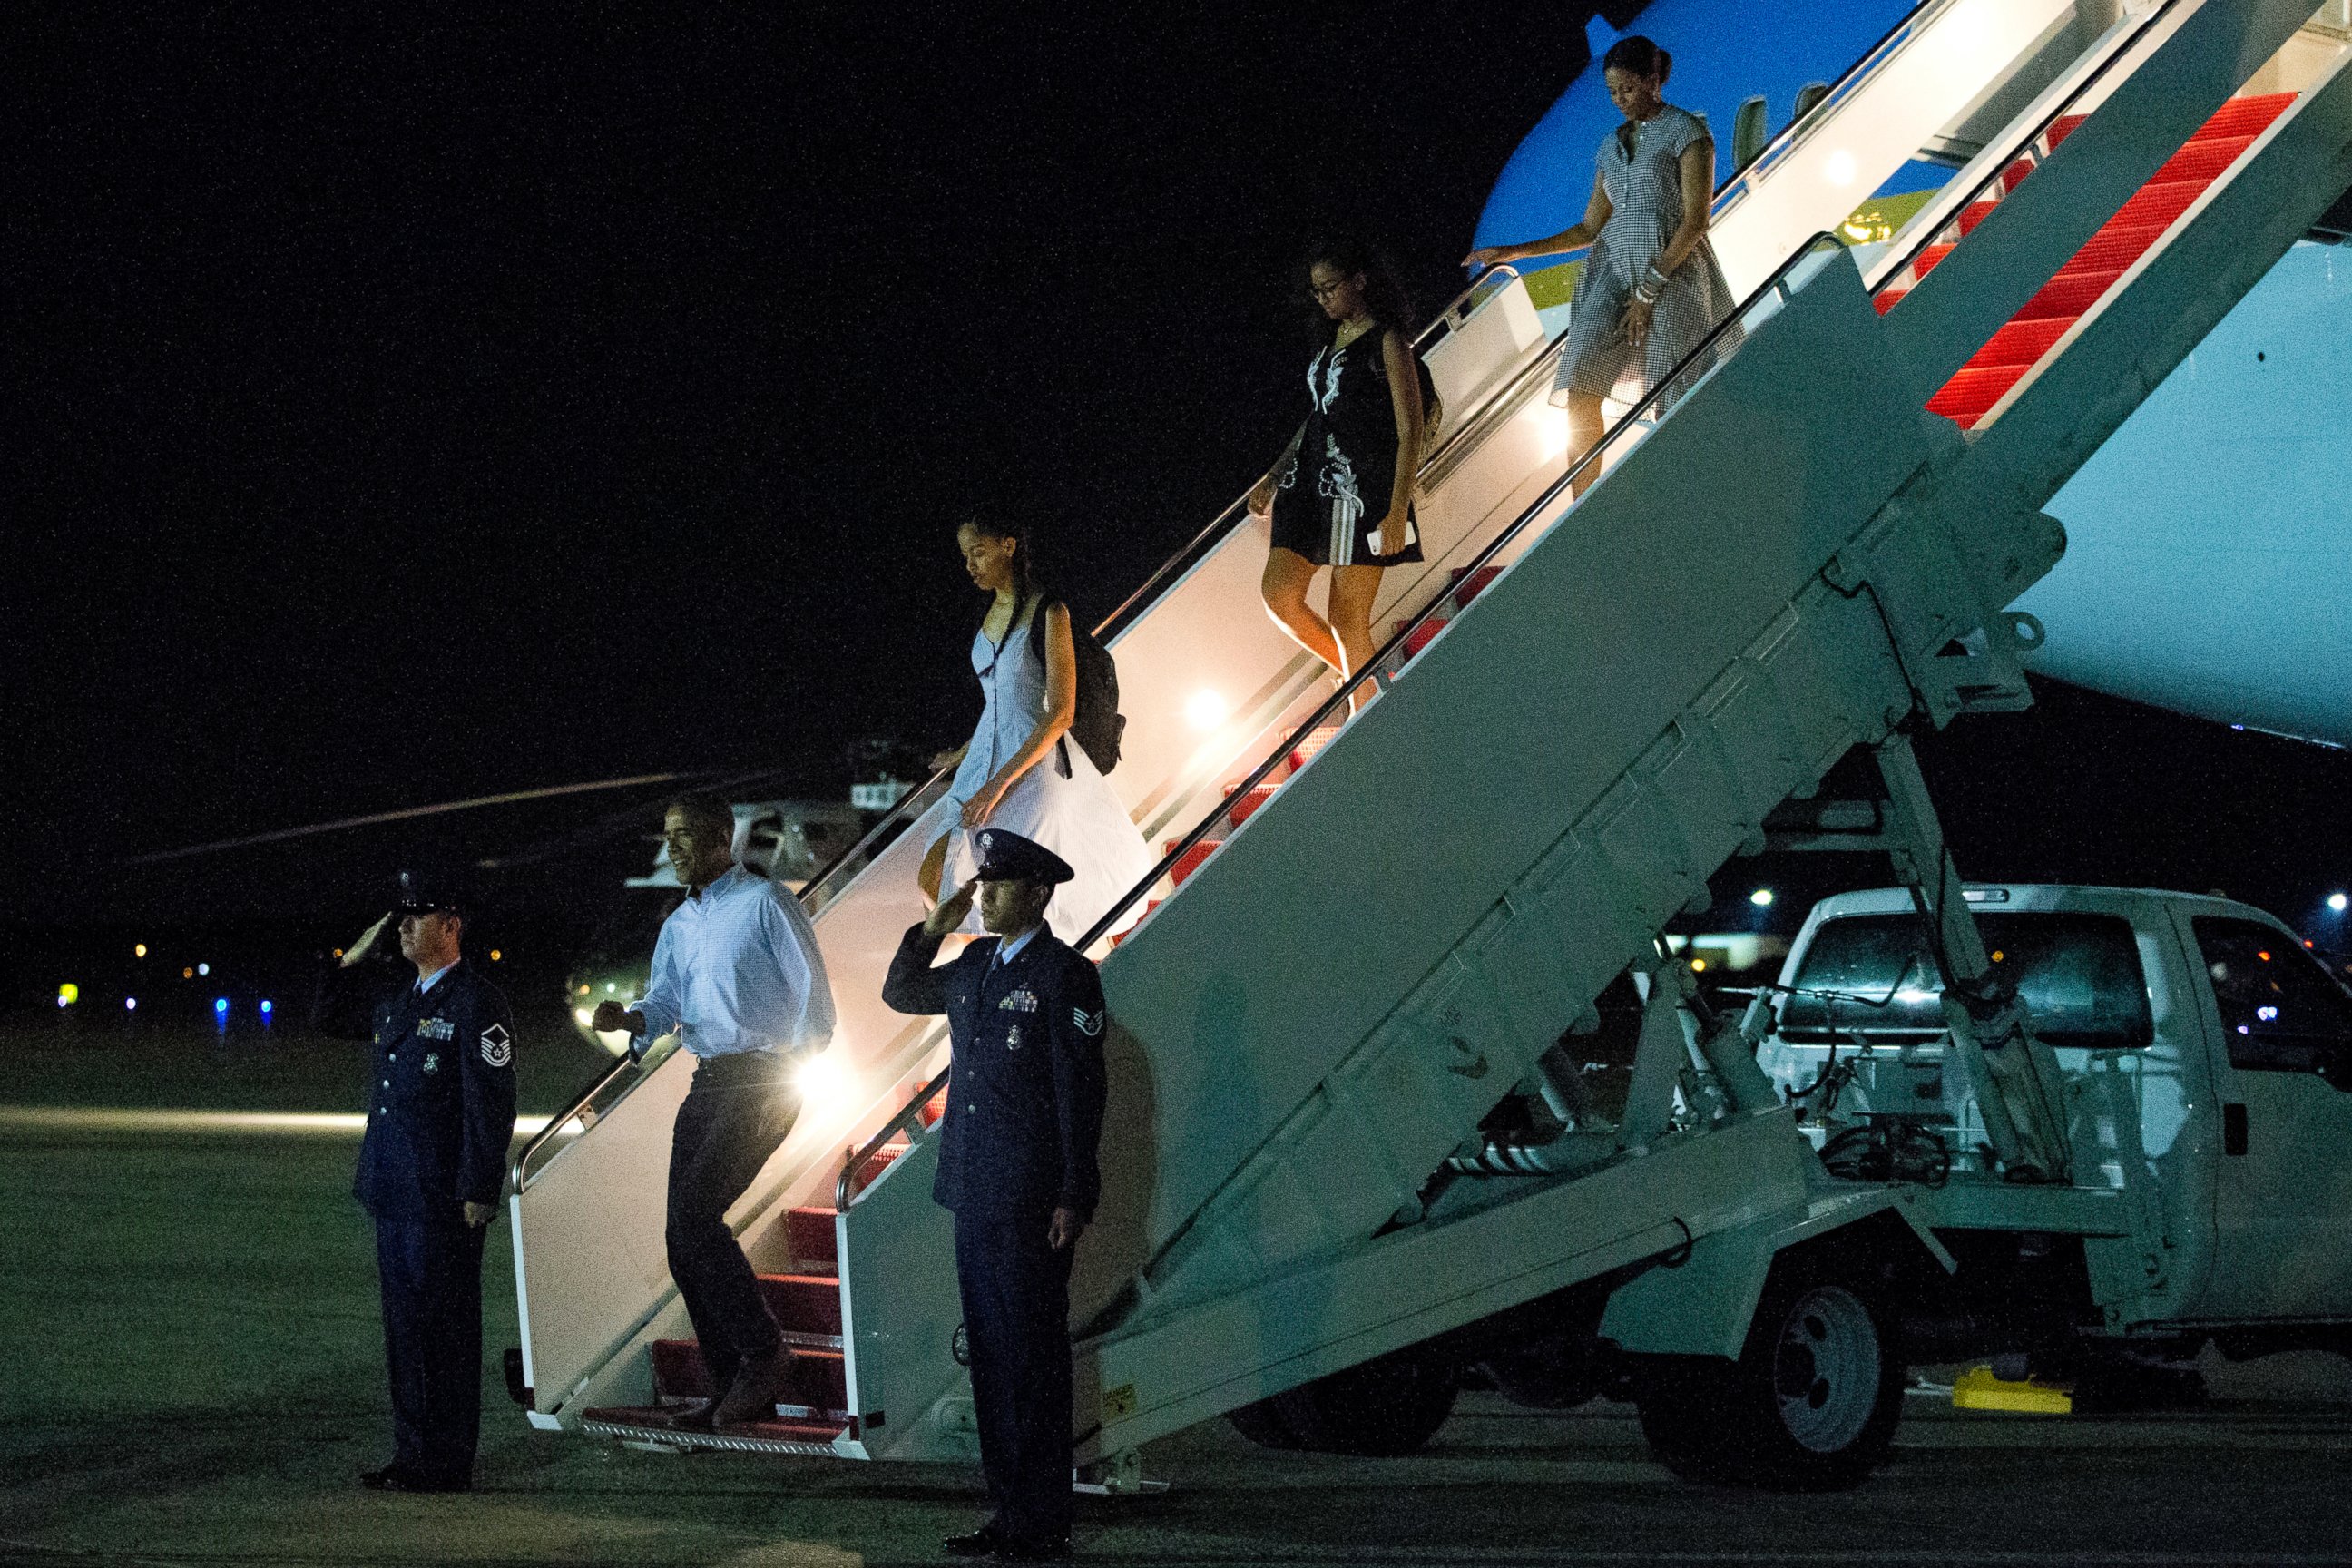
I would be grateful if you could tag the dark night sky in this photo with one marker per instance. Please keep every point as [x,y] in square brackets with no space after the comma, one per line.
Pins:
[418,405]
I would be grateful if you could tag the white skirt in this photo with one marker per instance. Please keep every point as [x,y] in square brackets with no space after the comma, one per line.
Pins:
[1081,819]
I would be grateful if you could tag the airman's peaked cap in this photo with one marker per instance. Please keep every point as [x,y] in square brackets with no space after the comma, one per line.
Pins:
[1007,857]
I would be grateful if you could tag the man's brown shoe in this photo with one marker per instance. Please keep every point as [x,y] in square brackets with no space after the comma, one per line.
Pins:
[753,1393]
[694,1416]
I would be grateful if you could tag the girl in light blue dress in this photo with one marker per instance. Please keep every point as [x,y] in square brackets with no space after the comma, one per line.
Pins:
[1022,770]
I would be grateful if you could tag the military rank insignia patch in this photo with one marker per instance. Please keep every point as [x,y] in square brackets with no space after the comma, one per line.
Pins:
[498,1047]
[1089,1024]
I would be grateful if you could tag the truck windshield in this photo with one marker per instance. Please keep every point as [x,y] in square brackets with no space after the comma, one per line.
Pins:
[1872,979]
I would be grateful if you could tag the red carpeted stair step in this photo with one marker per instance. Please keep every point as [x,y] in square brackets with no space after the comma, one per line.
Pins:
[2203,159]
[1974,213]
[2066,125]
[2245,116]
[819,1387]
[1245,806]
[2161,203]
[804,1303]
[2113,248]
[2067,296]
[1971,392]
[1190,861]
[1468,584]
[1421,635]
[810,1234]
[1148,908]
[2022,342]
[1313,741]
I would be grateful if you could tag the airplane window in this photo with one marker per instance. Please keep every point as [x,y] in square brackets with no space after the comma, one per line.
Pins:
[1872,978]
[2281,1010]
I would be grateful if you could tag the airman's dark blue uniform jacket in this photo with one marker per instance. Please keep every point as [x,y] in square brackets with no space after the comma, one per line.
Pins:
[441,1097]
[1025,1100]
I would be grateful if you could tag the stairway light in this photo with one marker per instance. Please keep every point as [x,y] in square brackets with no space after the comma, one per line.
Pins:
[1840,169]
[1205,709]
[826,1082]
[2336,901]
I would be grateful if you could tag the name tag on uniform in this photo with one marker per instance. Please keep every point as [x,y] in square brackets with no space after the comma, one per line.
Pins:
[1022,1001]
[436,1029]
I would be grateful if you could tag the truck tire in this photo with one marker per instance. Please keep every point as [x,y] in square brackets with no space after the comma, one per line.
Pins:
[1384,1409]
[1262,1424]
[1810,1405]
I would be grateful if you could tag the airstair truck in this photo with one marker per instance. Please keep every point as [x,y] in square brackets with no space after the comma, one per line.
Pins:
[1367,937]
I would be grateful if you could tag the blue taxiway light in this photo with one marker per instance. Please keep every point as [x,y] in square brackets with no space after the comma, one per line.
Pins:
[220,1005]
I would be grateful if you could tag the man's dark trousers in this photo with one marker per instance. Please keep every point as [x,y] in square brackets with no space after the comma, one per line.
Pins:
[431,1273]
[736,1113]
[1016,1316]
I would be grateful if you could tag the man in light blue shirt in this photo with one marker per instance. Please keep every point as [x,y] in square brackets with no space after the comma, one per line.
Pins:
[736,972]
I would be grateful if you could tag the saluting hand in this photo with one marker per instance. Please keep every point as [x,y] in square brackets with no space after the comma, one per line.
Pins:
[952,910]
[366,942]
[1064,1229]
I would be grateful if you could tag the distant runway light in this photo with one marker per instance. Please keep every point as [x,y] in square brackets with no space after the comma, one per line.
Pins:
[1205,709]
[187,973]
[1761,898]
[267,1008]
[496,956]
[131,1004]
[68,994]
[2335,901]
[1840,169]
[138,950]
[204,969]
[220,1006]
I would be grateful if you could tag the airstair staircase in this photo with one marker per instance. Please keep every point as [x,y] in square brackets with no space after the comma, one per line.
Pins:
[1370,930]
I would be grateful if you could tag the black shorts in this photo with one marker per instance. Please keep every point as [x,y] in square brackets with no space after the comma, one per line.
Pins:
[1321,528]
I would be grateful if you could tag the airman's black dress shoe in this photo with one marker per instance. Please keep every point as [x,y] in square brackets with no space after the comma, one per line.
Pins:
[982,1543]
[393,1478]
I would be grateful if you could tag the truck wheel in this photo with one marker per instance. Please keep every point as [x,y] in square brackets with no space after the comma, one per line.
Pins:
[1384,1408]
[1810,1405]
[1262,1424]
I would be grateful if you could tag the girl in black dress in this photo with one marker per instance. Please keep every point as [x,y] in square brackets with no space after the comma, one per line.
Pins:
[1342,495]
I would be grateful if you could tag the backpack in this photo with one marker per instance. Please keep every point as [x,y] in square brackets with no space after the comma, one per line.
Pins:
[1098,724]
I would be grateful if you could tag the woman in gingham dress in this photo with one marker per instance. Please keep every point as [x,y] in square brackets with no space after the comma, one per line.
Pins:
[1651,288]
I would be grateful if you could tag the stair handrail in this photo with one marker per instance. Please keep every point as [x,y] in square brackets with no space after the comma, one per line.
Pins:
[2021,146]
[1777,283]
[844,1190]
[817,891]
